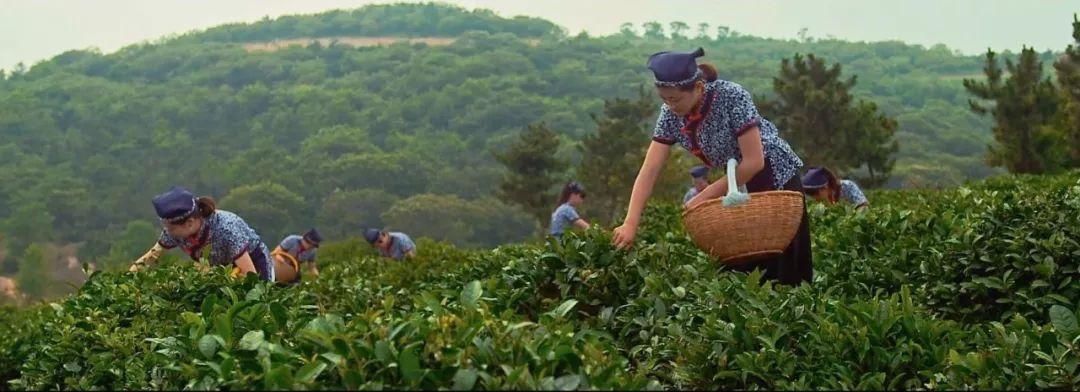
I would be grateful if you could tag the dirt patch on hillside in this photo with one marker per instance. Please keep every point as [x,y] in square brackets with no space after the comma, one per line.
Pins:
[348,41]
[64,270]
[7,288]
[355,42]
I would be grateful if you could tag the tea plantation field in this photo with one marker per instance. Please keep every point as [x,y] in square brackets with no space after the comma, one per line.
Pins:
[975,287]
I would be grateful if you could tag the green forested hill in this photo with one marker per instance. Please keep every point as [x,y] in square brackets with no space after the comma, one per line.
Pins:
[337,135]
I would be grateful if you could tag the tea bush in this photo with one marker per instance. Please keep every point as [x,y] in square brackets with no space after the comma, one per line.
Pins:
[972,288]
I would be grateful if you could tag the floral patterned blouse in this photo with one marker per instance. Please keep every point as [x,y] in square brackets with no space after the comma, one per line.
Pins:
[228,237]
[731,112]
[850,192]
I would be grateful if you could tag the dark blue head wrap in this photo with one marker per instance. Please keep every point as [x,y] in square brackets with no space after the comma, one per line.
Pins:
[673,69]
[176,204]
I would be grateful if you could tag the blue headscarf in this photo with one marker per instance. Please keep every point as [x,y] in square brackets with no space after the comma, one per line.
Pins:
[674,69]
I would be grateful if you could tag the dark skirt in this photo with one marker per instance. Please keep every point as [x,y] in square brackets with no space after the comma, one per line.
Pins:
[796,264]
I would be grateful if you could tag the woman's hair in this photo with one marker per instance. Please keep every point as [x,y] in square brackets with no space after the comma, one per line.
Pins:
[708,74]
[832,183]
[570,188]
[206,206]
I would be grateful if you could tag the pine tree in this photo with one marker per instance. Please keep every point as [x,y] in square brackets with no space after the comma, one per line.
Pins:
[532,171]
[612,156]
[812,102]
[29,222]
[678,29]
[1068,77]
[817,114]
[1023,105]
[33,276]
[871,143]
[703,31]
[722,32]
[653,30]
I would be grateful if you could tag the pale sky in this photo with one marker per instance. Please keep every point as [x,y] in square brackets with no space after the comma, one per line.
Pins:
[35,30]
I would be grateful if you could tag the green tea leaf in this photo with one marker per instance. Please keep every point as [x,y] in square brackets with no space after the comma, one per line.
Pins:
[208,305]
[679,291]
[471,294]
[382,351]
[520,325]
[1064,321]
[409,363]
[281,316]
[324,324]
[208,345]
[252,340]
[1059,298]
[310,372]
[334,358]
[223,327]
[567,383]
[256,293]
[464,379]
[280,377]
[228,366]
[564,308]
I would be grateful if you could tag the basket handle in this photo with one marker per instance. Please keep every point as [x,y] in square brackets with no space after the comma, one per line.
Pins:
[736,195]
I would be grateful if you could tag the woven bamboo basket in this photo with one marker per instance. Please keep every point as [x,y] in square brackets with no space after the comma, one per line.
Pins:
[762,227]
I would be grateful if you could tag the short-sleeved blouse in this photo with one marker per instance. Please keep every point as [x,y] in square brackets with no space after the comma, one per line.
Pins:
[223,238]
[731,113]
